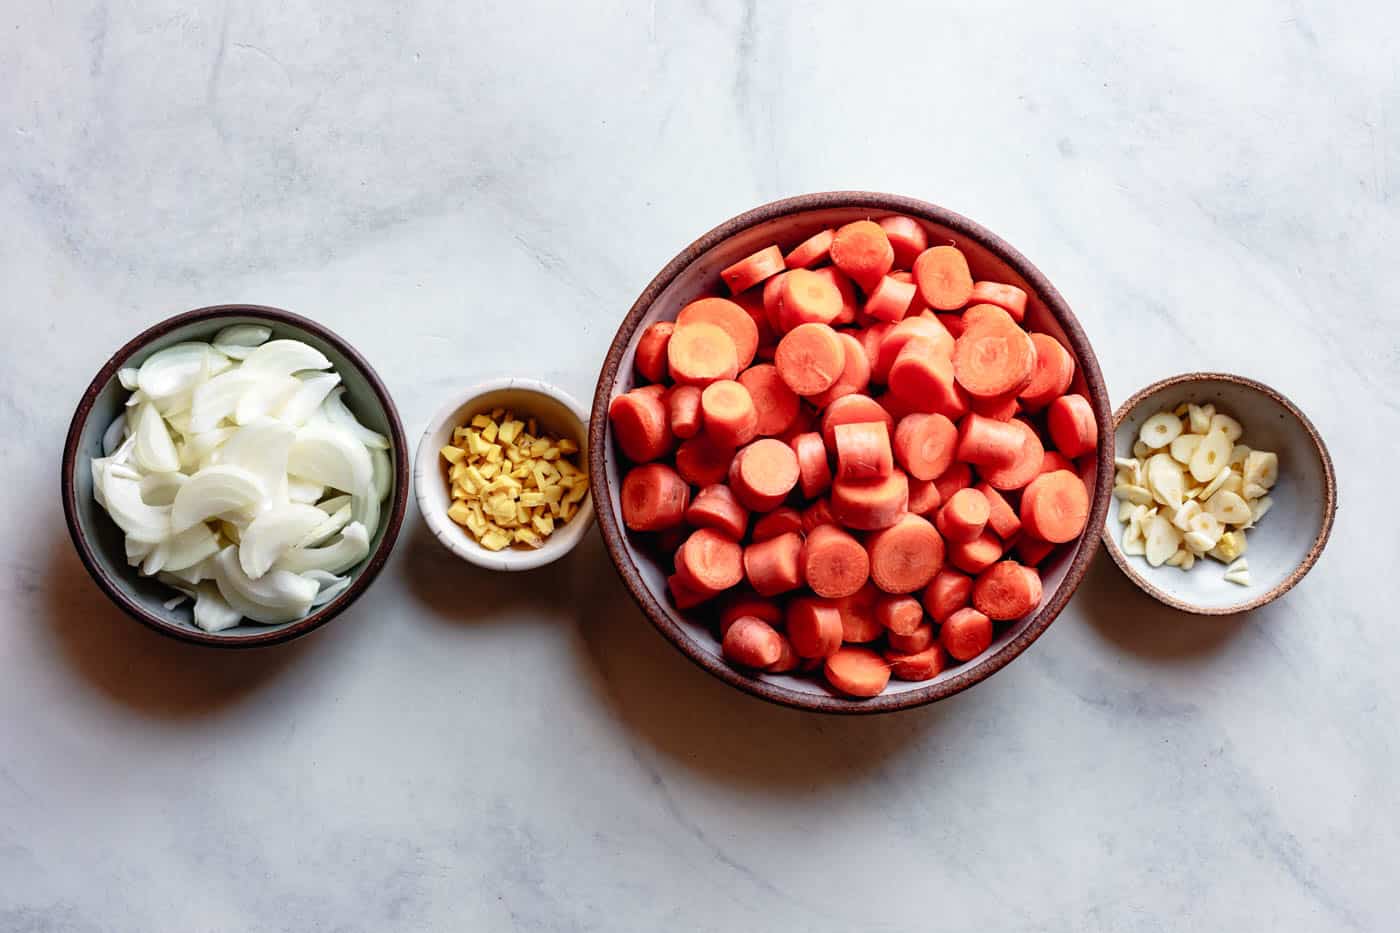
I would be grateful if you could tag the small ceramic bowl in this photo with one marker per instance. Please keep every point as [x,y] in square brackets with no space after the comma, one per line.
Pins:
[99,541]
[1287,541]
[556,412]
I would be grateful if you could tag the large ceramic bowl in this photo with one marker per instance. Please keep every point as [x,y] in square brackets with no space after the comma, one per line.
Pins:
[98,539]
[695,272]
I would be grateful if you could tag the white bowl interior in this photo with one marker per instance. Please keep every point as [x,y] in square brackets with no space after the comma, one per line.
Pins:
[556,412]
[1282,539]
[701,278]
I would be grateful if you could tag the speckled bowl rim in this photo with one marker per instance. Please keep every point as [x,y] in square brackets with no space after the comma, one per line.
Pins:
[115,589]
[1329,506]
[614,537]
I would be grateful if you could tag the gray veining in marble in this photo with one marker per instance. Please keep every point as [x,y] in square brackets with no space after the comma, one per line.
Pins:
[1212,185]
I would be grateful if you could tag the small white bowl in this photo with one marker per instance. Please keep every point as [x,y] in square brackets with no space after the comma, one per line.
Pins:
[556,411]
[1286,542]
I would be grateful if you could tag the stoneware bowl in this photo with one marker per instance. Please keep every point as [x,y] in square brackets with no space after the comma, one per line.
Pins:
[556,412]
[1287,541]
[694,273]
[99,541]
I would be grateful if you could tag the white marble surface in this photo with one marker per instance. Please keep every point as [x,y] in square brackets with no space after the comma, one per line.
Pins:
[1211,184]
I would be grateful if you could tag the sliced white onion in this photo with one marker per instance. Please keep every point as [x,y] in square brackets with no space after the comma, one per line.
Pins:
[333,504]
[276,597]
[383,472]
[190,547]
[155,559]
[155,451]
[211,612]
[114,435]
[127,377]
[364,509]
[306,400]
[262,448]
[238,340]
[334,411]
[121,488]
[332,456]
[273,533]
[137,398]
[160,488]
[174,601]
[284,357]
[348,550]
[198,451]
[136,551]
[218,399]
[331,585]
[99,468]
[329,525]
[265,396]
[191,575]
[216,490]
[305,491]
[173,370]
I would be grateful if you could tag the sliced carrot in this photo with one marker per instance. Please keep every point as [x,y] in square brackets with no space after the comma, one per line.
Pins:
[775,403]
[855,374]
[751,642]
[893,343]
[653,497]
[1055,507]
[924,498]
[907,237]
[816,515]
[716,507]
[641,423]
[976,555]
[958,476]
[729,414]
[871,505]
[1032,550]
[650,356]
[998,408]
[993,356]
[805,421]
[846,287]
[683,403]
[962,518]
[1072,426]
[774,566]
[945,282]
[1036,585]
[752,303]
[863,251]
[686,596]
[898,613]
[896,407]
[946,593]
[700,353]
[858,622]
[763,473]
[953,322]
[1007,297]
[814,627]
[922,665]
[917,305]
[983,313]
[987,442]
[1001,517]
[852,409]
[922,378]
[890,299]
[924,444]
[966,634]
[728,317]
[870,339]
[780,521]
[773,303]
[863,451]
[710,560]
[814,470]
[811,251]
[808,298]
[906,555]
[921,639]
[1053,373]
[834,564]
[787,660]
[1006,591]
[810,358]
[1021,470]
[749,271]
[1054,460]
[857,672]
[740,604]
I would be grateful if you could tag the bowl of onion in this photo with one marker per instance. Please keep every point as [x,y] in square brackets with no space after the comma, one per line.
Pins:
[235,476]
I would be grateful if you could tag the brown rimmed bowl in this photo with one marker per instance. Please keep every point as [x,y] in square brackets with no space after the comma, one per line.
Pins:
[1288,540]
[694,273]
[99,541]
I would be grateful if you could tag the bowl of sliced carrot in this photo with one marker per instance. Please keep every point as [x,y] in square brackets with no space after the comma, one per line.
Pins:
[847,450]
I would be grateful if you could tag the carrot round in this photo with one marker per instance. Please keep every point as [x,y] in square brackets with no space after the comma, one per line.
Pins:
[1072,427]
[907,237]
[716,507]
[863,451]
[740,604]
[924,444]
[890,299]
[906,555]
[641,423]
[776,404]
[870,339]
[752,303]
[863,251]
[924,497]
[922,378]
[1001,517]
[871,505]
[787,660]
[650,357]
[1053,373]
[654,497]
[966,634]
[857,672]
[834,564]
[895,339]
[700,353]
[710,560]
[814,471]
[1007,297]
[774,566]
[922,665]
[811,250]
[816,515]
[984,313]
[773,303]
[962,518]
[731,419]
[945,282]
[986,442]
[976,555]
[958,476]
[702,462]
[953,322]
[780,521]
[752,269]
[1054,460]
[763,473]
[814,627]
[808,298]
[898,613]
[993,356]
[728,317]
[1032,550]
[752,643]
[858,622]
[918,640]
[946,593]
[683,404]
[810,358]
[1055,507]
[998,407]
[1021,470]
[1006,591]
[896,407]
[852,409]
[686,596]
[855,373]
[846,287]
[802,424]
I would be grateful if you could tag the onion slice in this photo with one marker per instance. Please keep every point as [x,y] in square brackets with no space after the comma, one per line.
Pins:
[160,488]
[155,451]
[174,370]
[216,490]
[348,550]
[264,396]
[238,340]
[273,533]
[305,491]
[190,547]
[329,525]
[114,435]
[284,357]
[211,612]
[121,488]
[262,448]
[331,585]
[332,456]
[127,377]
[306,400]
[334,411]
[276,597]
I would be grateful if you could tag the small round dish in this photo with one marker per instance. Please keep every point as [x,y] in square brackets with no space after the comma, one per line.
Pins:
[1287,541]
[556,411]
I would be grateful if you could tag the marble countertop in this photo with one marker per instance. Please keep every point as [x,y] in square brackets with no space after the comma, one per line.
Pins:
[469,189]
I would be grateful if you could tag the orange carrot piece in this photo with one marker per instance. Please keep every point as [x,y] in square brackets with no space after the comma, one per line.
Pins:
[777,405]
[1023,468]
[847,288]
[976,555]
[1070,420]
[780,521]
[700,353]
[857,672]
[810,358]
[966,634]
[958,476]
[907,237]
[870,339]
[640,422]
[802,424]
[740,604]
[871,505]
[751,642]
[922,665]
[731,420]
[686,596]
[895,339]
[1001,517]
[814,471]
[816,515]
[858,622]
[962,518]
[774,566]
[808,298]
[654,497]
[946,593]
[863,251]
[772,292]
[898,613]
[924,497]
[945,281]
[728,317]
[1055,507]
[1009,298]
[855,374]
[924,444]
[1054,460]
[1032,550]
[710,560]
[763,473]
[852,409]
[953,322]
[752,269]
[716,507]
[702,462]
[921,639]
[863,451]
[993,357]
[834,564]
[986,442]
[683,403]
[906,555]
[650,358]
[922,378]
[814,627]
[1006,591]
[890,299]
[787,660]
[917,305]
[1053,373]
[752,303]
[811,251]
[998,407]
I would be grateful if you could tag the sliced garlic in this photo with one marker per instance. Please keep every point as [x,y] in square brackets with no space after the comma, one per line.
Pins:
[1203,531]
[1160,430]
[1232,428]
[1134,494]
[1166,480]
[1189,510]
[1134,544]
[1183,447]
[1261,468]
[1199,417]
[1141,450]
[1228,507]
[1211,456]
[1162,540]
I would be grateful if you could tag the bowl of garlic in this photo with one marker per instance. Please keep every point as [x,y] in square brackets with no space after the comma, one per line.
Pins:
[1224,493]
[235,476]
